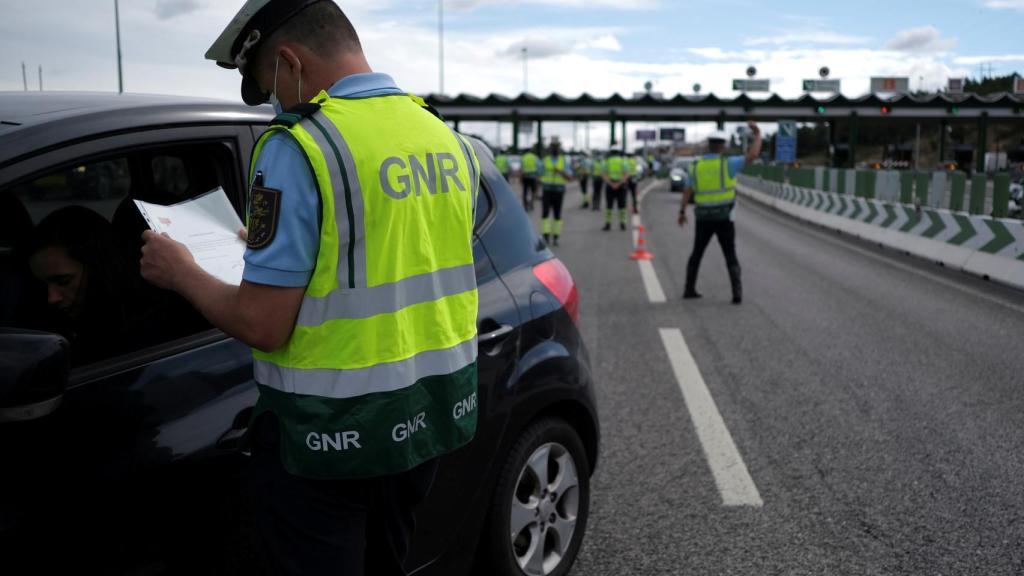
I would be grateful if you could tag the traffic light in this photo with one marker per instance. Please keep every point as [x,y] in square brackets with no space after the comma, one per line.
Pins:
[820,109]
[885,110]
[954,110]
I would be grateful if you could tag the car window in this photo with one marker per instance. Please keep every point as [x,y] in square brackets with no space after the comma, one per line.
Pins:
[69,256]
[483,207]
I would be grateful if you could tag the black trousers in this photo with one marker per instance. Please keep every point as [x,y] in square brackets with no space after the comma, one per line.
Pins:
[551,202]
[529,190]
[337,527]
[598,186]
[726,232]
[632,191]
[615,197]
[584,181]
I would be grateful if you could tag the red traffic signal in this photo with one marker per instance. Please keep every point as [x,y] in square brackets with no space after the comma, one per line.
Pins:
[885,110]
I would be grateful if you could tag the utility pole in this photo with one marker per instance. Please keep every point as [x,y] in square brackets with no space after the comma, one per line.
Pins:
[526,85]
[440,43]
[40,77]
[24,76]
[117,26]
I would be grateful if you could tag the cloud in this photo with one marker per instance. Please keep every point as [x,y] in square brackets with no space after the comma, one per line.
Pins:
[537,48]
[923,39]
[608,4]
[975,60]
[804,38]
[1005,4]
[166,9]
[541,43]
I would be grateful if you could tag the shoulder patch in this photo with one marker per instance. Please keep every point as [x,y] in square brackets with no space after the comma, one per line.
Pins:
[295,114]
[264,212]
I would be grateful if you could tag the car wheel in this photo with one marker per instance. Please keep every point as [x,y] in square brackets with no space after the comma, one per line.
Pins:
[541,503]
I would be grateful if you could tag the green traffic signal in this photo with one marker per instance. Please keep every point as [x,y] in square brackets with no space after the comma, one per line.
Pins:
[820,109]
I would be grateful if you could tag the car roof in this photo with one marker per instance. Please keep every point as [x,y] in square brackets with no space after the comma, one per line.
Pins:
[34,121]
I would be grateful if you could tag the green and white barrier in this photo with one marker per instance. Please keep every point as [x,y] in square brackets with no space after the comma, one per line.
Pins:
[980,245]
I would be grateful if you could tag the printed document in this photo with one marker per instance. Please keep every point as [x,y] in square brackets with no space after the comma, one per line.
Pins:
[208,226]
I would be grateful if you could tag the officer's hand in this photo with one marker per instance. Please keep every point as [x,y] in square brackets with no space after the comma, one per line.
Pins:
[754,129]
[164,260]
[682,218]
[244,234]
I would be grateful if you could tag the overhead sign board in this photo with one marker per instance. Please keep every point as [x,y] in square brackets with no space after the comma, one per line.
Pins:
[750,85]
[890,84]
[673,134]
[647,135]
[821,85]
[785,142]
[955,86]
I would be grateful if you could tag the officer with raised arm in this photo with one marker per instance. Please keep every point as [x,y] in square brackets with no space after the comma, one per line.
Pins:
[358,193]
[712,189]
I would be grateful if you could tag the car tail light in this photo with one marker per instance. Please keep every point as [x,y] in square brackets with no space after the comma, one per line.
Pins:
[557,279]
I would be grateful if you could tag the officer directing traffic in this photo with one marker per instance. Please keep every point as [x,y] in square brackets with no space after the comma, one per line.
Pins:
[359,294]
[555,176]
[713,189]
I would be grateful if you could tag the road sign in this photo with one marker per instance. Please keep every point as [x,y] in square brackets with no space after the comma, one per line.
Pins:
[955,86]
[647,135]
[743,85]
[785,142]
[890,84]
[673,134]
[1018,85]
[821,85]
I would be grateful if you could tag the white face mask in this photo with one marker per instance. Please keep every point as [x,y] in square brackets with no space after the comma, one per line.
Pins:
[278,109]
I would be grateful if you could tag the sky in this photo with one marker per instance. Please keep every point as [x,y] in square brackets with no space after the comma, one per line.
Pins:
[574,46]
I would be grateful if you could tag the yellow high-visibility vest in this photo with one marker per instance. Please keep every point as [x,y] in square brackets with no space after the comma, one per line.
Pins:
[380,372]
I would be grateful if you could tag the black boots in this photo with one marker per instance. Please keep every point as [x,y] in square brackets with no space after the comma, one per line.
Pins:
[691,282]
[737,284]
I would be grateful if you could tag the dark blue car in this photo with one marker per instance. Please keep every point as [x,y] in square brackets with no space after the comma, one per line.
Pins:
[122,411]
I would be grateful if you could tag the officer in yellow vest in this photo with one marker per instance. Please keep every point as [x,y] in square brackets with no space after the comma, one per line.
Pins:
[358,362]
[713,189]
[597,173]
[502,163]
[530,172]
[555,176]
[616,183]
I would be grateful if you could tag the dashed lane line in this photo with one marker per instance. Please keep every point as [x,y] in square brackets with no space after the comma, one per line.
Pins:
[731,476]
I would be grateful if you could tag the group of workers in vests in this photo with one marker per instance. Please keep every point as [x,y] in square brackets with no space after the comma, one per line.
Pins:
[548,171]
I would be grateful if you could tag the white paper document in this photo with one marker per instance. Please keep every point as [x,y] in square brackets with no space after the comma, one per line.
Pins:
[208,226]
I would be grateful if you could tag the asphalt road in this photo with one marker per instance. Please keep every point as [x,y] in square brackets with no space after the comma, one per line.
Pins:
[877,402]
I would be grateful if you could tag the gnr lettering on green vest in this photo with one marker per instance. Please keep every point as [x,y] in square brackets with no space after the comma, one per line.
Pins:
[339,441]
[399,178]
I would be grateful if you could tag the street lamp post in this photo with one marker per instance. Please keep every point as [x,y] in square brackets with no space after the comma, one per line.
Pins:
[117,26]
[526,85]
[440,43]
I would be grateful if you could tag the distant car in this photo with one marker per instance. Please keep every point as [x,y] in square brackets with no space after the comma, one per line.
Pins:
[679,174]
[130,462]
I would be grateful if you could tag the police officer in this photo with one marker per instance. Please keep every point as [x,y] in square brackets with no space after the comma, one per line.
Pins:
[530,172]
[356,392]
[556,174]
[633,168]
[584,167]
[616,183]
[712,188]
[597,176]
[502,163]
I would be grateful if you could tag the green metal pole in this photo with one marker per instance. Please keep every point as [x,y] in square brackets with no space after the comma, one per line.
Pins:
[979,161]
[611,144]
[942,141]
[515,130]
[540,134]
[853,140]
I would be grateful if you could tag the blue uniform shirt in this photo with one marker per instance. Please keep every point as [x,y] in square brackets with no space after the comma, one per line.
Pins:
[289,260]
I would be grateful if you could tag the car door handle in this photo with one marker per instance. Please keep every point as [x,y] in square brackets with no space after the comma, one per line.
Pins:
[495,336]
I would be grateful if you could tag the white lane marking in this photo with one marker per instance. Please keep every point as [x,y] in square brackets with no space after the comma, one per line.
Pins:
[734,482]
[654,292]
[886,260]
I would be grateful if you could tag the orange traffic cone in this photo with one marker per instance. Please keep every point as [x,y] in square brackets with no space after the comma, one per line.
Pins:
[641,253]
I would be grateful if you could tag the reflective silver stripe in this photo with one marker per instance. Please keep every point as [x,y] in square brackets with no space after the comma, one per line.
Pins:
[338,190]
[474,169]
[718,203]
[389,298]
[390,377]
[358,210]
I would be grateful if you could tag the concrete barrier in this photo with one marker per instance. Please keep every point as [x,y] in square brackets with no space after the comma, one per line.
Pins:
[991,248]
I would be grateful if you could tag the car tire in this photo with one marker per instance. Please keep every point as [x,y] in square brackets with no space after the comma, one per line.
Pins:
[535,528]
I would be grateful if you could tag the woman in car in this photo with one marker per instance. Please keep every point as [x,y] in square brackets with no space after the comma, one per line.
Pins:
[92,297]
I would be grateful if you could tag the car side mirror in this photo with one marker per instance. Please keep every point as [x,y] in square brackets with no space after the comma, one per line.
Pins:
[34,368]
